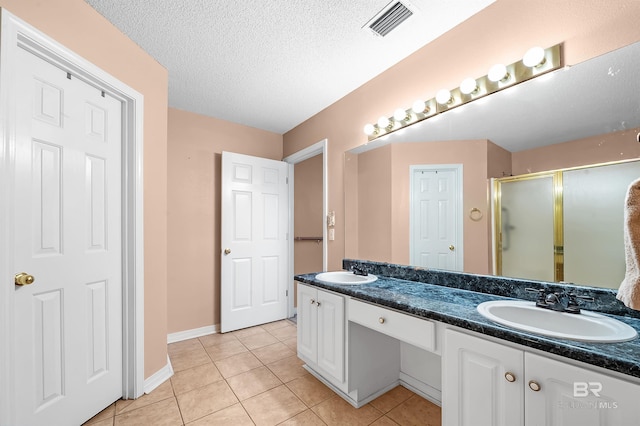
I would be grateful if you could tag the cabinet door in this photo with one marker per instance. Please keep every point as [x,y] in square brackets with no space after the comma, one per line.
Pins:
[482,382]
[331,334]
[307,322]
[570,395]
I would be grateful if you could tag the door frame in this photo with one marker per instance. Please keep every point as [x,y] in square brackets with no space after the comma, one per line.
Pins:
[458,169]
[17,34]
[318,148]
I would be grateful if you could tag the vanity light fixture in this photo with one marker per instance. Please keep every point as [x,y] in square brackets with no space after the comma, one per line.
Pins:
[443,97]
[536,61]
[498,72]
[418,106]
[469,86]
[369,129]
[534,57]
[400,115]
[384,123]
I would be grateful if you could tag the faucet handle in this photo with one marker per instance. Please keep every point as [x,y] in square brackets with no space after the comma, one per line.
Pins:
[542,294]
[585,298]
[572,304]
[359,270]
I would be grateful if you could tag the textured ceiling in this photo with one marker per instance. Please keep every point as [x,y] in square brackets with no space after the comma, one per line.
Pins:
[272,64]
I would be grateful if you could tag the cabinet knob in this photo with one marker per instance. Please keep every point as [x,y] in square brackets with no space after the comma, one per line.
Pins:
[313,301]
[318,304]
[381,320]
[534,386]
[510,376]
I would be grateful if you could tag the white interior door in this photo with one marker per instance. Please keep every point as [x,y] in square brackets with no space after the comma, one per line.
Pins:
[436,225]
[254,232]
[67,350]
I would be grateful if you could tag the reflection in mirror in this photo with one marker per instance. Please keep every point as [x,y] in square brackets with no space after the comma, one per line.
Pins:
[548,224]
[584,115]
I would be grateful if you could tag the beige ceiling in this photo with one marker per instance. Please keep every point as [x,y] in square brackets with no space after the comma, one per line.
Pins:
[272,64]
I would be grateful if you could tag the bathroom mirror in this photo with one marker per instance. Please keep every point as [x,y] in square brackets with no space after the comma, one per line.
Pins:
[581,115]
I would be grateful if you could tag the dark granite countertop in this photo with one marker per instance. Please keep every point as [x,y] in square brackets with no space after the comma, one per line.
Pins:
[457,307]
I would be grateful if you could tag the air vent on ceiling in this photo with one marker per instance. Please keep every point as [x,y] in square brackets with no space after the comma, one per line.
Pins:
[389,18]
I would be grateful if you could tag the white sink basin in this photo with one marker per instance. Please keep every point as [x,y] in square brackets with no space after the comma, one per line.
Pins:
[585,326]
[345,277]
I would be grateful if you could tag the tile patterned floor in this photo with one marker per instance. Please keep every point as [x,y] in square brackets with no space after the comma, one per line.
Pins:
[253,377]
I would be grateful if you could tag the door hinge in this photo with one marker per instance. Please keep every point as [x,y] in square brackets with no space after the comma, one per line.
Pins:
[286,293]
[287,180]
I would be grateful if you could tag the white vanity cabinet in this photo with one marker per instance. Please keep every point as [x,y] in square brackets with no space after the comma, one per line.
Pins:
[570,395]
[321,332]
[482,382]
[487,383]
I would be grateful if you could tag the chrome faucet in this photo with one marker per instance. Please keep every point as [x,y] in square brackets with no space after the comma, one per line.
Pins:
[359,270]
[560,302]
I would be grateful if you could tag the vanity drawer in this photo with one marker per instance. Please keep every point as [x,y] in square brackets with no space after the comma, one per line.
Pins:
[415,331]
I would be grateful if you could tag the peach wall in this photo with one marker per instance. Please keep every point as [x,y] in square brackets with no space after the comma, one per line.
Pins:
[79,27]
[615,146]
[473,157]
[195,145]
[308,216]
[384,182]
[374,207]
[499,33]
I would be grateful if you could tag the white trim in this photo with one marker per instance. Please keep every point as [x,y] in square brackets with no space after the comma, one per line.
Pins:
[16,34]
[159,377]
[179,336]
[317,148]
[459,220]
[424,390]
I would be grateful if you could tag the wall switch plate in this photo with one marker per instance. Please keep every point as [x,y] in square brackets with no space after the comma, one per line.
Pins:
[331,218]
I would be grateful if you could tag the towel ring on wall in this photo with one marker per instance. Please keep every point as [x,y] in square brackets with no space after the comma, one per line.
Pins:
[475,214]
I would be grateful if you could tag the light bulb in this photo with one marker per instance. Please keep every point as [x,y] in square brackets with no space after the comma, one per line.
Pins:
[443,97]
[497,73]
[534,57]
[369,129]
[400,115]
[468,86]
[418,106]
[383,122]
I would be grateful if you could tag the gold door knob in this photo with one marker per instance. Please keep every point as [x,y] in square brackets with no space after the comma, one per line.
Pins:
[24,279]
[534,386]
[509,376]
[451,247]
[227,251]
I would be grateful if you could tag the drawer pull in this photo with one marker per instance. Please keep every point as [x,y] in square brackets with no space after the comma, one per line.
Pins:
[381,320]
[510,376]
[534,386]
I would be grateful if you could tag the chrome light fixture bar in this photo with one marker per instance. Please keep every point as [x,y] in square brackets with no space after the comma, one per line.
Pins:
[536,61]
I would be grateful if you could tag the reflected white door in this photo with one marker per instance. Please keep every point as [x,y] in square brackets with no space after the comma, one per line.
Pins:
[67,350]
[255,209]
[436,230]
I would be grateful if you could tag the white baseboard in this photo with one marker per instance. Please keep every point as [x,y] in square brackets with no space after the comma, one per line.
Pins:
[424,390]
[195,332]
[159,377]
